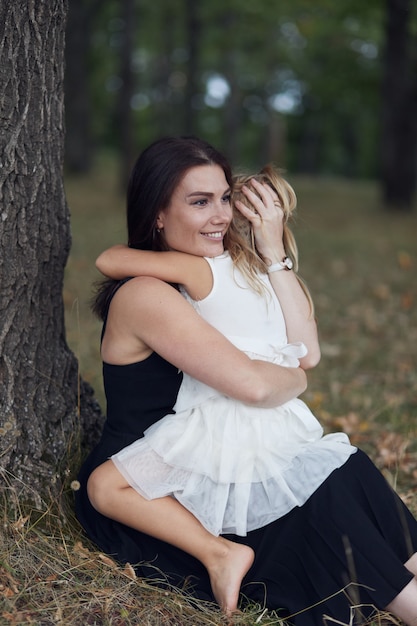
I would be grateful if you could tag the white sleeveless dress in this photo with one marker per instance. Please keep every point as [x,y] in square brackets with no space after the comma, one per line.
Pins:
[236,467]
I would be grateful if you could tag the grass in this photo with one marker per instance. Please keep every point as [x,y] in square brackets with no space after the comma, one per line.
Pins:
[360,264]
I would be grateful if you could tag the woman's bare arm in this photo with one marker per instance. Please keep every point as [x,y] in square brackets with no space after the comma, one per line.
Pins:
[148,315]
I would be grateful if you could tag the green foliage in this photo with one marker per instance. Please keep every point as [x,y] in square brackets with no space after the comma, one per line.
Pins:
[312,70]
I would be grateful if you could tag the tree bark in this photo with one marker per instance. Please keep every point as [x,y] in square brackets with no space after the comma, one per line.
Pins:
[124,117]
[399,106]
[43,404]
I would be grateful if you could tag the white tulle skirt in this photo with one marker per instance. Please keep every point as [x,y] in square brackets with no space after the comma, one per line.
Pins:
[235,467]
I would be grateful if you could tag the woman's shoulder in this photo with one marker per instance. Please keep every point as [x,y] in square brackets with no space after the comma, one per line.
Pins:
[137,312]
[143,298]
[137,287]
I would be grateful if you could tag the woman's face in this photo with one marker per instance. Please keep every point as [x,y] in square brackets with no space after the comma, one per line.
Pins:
[199,214]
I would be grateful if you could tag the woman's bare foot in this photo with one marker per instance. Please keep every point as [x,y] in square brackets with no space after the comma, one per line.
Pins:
[227,571]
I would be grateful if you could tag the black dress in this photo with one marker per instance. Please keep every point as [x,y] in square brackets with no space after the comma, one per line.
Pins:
[347,543]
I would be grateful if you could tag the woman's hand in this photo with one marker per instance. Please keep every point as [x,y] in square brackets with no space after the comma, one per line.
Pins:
[267,219]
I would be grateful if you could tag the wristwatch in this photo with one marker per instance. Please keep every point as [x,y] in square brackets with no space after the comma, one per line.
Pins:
[285,264]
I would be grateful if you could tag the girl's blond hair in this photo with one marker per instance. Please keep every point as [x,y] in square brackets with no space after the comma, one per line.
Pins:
[240,241]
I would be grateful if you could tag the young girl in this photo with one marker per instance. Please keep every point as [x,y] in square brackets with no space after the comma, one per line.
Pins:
[235,467]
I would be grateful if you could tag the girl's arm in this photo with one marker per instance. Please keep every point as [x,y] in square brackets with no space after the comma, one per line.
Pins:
[149,315]
[267,225]
[192,272]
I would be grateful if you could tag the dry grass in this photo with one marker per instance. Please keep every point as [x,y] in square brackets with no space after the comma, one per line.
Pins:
[360,264]
[51,576]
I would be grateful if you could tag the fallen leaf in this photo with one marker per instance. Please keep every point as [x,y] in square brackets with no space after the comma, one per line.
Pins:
[129,571]
[108,561]
[382,292]
[82,550]
[407,301]
[404,260]
[19,524]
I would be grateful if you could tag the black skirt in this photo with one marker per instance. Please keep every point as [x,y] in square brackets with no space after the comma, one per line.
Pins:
[339,555]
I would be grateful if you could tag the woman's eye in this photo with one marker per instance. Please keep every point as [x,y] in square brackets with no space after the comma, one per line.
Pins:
[227,198]
[201,202]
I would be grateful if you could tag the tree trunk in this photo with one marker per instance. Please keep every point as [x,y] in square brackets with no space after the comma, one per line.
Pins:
[310,144]
[43,405]
[232,119]
[399,106]
[124,117]
[232,114]
[193,33]
[78,143]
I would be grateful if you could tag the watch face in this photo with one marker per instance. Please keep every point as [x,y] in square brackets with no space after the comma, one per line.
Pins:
[288,263]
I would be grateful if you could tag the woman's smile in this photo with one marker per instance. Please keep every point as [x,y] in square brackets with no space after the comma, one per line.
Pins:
[216,235]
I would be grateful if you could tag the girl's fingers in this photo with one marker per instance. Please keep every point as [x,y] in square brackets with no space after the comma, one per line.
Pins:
[266,204]
[267,199]
[265,191]
[251,214]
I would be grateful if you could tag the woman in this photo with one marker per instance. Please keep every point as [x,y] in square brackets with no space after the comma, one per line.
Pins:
[235,467]
[299,559]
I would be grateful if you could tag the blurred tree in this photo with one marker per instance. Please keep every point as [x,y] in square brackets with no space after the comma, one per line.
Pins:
[294,81]
[399,108]
[43,402]
[78,138]
[242,60]
[124,112]
[193,33]
[336,62]
[166,79]
[163,48]
[230,68]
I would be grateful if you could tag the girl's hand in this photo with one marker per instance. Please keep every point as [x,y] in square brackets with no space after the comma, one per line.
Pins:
[267,218]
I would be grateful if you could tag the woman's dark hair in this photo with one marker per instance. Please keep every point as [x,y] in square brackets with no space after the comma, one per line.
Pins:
[154,178]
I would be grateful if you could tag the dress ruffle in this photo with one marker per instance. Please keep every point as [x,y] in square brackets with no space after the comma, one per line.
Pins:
[235,467]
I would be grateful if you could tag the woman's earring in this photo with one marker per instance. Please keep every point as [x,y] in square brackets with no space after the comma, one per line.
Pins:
[158,230]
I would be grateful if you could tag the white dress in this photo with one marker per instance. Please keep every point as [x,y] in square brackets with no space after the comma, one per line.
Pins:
[236,467]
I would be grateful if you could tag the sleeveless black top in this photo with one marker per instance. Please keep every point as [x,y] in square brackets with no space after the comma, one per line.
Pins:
[137,395]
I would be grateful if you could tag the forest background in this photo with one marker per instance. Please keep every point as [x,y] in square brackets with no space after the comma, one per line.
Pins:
[323,88]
